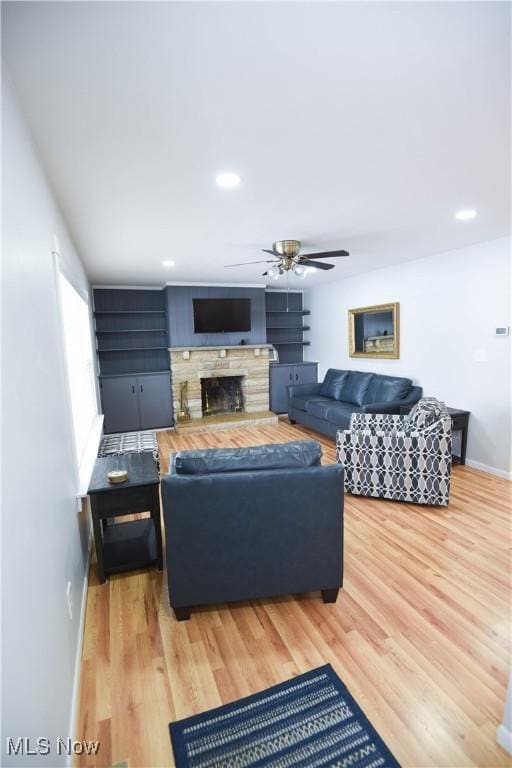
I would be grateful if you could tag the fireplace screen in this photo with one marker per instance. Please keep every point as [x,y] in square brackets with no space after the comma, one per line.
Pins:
[222,394]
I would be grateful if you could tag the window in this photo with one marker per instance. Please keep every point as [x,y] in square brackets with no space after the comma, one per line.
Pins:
[80,365]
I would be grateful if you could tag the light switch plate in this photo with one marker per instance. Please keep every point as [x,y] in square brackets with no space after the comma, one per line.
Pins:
[480,355]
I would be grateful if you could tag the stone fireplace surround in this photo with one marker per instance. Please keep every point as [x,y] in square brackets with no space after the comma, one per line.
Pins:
[250,361]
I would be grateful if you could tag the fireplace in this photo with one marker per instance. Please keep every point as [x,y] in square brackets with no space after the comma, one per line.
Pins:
[222,394]
[247,368]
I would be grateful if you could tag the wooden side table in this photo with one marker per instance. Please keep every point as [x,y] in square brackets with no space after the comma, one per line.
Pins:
[460,423]
[130,545]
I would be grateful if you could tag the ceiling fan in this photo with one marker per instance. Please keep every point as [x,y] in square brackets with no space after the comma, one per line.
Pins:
[287,257]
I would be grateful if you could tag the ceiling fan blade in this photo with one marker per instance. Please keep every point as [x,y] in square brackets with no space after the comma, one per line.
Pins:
[273,253]
[242,264]
[324,255]
[315,264]
[264,273]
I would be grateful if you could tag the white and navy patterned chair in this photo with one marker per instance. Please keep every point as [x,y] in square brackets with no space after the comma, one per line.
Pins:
[406,458]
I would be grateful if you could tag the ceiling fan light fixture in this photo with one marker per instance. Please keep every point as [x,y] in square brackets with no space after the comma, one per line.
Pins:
[289,248]
[274,272]
[300,271]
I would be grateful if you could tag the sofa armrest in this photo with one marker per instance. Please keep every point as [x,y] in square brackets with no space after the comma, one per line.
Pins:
[413,443]
[392,406]
[171,470]
[303,389]
[374,421]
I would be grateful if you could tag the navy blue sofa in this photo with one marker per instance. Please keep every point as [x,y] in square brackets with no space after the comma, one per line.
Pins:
[246,523]
[327,406]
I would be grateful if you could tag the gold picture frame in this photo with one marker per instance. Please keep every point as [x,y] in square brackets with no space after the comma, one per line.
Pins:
[375,331]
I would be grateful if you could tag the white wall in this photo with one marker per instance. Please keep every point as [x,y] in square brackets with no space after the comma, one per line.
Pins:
[44,542]
[450,305]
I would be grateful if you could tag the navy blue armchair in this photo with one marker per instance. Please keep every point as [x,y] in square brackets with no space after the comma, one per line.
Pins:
[251,523]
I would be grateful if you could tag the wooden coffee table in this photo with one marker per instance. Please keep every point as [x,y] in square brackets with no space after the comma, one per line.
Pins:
[126,546]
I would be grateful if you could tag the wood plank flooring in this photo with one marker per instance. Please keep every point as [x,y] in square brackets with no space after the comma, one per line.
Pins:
[420,633]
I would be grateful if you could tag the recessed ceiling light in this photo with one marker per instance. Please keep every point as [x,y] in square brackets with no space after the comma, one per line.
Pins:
[466,214]
[168,263]
[228,180]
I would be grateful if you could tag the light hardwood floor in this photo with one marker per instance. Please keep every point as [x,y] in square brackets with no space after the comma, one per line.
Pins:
[420,633]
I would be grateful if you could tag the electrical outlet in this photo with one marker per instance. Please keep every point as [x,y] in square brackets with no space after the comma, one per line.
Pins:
[69,598]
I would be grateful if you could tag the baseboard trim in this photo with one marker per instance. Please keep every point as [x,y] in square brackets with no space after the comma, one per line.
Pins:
[491,470]
[73,720]
[504,738]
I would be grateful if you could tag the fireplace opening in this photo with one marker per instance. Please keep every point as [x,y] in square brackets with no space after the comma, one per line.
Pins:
[222,394]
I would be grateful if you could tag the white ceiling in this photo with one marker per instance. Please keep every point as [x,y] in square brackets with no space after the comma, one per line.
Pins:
[358,125]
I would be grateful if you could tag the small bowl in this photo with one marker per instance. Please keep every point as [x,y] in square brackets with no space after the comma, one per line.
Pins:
[117,476]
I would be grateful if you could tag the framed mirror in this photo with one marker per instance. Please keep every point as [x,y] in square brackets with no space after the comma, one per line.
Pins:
[374,331]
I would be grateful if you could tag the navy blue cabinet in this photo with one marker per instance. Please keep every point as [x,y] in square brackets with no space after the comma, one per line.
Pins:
[131,403]
[282,375]
[120,404]
[155,407]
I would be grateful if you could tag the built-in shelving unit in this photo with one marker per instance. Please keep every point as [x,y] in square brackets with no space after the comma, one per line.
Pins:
[131,331]
[285,324]
[133,355]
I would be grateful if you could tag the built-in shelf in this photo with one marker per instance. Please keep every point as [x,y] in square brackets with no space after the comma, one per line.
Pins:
[133,330]
[129,312]
[128,349]
[122,375]
[288,328]
[288,312]
[286,335]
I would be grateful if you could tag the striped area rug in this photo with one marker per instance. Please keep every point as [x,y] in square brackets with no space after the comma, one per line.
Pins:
[307,722]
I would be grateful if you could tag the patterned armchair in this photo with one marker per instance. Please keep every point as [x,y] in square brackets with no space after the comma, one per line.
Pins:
[406,458]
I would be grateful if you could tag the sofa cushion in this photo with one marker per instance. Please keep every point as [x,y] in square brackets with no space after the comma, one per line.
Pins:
[298,454]
[354,386]
[341,413]
[425,413]
[384,389]
[300,401]
[331,385]
[319,409]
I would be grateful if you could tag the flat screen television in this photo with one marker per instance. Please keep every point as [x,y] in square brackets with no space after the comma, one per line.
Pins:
[222,315]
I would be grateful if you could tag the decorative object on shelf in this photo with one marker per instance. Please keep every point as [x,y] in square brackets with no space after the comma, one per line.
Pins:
[117,476]
[286,257]
[184,412]
[374,331]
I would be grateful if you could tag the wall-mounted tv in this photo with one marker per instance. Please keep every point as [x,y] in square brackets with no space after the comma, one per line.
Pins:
[222,315]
